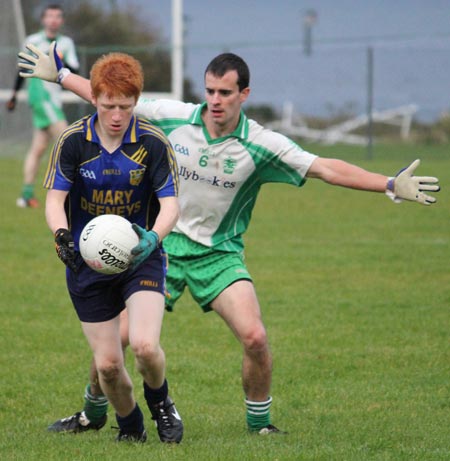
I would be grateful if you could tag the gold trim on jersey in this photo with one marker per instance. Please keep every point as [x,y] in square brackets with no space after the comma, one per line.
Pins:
[147,127]
[56,152]
[140,155]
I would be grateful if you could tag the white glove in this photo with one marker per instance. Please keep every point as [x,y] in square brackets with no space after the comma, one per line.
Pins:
[405,186]
[38,64]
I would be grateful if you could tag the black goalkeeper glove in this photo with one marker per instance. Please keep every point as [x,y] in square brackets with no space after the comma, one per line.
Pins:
[64,245]
[11,104]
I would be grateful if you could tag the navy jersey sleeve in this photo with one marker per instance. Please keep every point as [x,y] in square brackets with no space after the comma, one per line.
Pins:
[162,165]
[64,160]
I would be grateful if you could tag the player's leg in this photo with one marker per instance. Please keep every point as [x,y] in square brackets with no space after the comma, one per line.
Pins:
[220,281]
[146,311]
[145,315]
[55,129]
[93,416]
[104,339]
[238,306]
[49,122]
[39,143]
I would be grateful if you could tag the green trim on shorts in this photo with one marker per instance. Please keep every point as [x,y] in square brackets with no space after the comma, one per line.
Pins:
[205,271]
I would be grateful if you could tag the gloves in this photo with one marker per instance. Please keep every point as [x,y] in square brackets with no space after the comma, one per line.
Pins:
[11,104]
[38,64]
[148,241]
[64,245]
[405,186]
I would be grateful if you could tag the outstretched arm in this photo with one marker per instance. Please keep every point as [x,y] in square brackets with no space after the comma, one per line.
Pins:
[79,85]
[340,173]
[50,67]
[404,186]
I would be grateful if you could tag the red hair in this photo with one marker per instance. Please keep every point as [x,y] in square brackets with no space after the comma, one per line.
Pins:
[117,74]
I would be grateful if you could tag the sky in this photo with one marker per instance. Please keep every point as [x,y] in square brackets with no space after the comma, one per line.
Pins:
[410,39]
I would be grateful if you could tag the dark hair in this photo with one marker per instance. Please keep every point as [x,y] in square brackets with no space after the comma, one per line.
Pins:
[225,62]
[52,6]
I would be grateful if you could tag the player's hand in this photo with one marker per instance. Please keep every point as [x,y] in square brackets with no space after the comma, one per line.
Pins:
[11,104]
[38,64]
[64,245]
[148,241]
[405,186]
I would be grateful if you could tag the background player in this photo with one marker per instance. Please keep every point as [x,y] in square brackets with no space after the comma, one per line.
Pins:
[225,160]
[116,161]
[44,99]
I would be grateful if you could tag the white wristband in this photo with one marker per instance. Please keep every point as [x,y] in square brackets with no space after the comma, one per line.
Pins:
[390,191]
[62,74]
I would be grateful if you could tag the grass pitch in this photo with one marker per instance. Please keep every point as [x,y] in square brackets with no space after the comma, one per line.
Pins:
[355,293]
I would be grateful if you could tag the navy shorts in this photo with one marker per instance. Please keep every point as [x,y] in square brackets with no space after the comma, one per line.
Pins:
[101,297]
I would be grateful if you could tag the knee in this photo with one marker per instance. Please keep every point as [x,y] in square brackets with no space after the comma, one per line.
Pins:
[146,352]
[109,370]
[255,340]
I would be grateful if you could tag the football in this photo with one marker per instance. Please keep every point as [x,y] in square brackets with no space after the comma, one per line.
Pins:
[106,243]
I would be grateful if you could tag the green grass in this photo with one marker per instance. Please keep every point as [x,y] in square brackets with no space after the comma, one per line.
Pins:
[355,293]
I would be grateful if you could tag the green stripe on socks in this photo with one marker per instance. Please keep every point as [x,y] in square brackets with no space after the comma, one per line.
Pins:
[95,407]
[258,414]
[28,191]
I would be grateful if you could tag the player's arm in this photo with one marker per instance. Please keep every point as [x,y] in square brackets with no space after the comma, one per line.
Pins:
[55,213]
[51,68]
[79,85]
[70,59]
[404,186]
[57,222]
[164,177]
[167,217]
[11,103]
[149,240]
[340,173]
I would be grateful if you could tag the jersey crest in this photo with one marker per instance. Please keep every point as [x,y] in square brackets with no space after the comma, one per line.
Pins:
[136,176]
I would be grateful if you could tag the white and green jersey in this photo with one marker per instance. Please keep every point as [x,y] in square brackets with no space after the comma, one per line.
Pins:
[40,91]
[219,179]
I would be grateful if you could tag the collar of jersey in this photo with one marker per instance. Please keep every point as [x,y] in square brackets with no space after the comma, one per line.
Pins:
[130,136]
[50,40]
[241,131]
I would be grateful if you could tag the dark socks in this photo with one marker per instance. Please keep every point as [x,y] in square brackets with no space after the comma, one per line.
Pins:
[155,396]
[134,422]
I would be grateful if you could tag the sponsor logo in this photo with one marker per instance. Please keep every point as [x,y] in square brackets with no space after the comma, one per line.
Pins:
[111,260]
[136,176]
[215,181]
[89,174]
[111,171]
[183,150]
[149,283]
[112,247]
[175,414]
[119,202]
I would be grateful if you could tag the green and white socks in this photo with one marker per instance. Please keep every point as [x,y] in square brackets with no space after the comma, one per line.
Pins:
[258,414]
[28,191]
[95,407]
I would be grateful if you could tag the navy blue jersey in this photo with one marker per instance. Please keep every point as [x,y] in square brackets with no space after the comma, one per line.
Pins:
[126,182]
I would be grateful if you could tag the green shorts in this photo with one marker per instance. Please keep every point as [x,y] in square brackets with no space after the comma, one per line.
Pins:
[45,114]
[205,271]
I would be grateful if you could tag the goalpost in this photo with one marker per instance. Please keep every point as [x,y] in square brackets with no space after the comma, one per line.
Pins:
[16,127]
